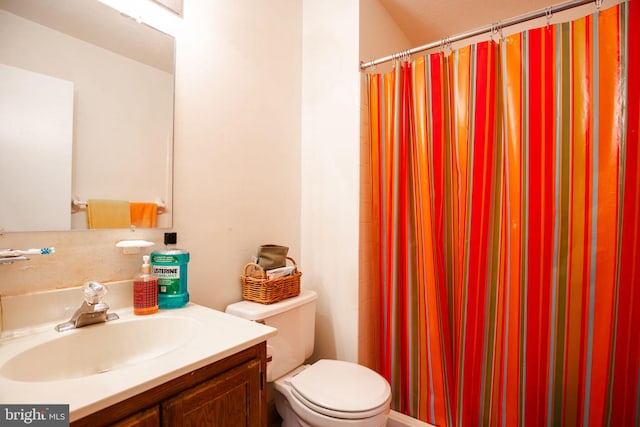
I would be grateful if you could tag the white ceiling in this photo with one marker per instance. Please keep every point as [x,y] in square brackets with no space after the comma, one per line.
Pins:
[426,21]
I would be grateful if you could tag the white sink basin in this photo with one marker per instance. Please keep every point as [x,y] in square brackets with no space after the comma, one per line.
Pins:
[100,348]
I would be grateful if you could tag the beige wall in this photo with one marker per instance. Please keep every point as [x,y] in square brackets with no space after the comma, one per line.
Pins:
[237,139]
[379,34]
[330,156]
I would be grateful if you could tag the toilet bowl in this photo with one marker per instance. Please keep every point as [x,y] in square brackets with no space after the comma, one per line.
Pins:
[323,394]
[333,393]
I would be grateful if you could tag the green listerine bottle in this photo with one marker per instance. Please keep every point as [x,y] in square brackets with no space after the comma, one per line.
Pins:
[170,265]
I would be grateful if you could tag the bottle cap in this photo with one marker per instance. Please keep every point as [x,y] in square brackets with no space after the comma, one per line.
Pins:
[170,238]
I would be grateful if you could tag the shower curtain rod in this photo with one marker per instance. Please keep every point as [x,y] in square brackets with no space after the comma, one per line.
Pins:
[488,29]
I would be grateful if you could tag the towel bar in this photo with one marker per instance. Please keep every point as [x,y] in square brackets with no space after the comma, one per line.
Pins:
[82,204]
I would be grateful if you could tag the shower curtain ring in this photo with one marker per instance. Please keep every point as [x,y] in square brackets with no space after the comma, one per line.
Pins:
[494,30]
[598,4]
[549,14]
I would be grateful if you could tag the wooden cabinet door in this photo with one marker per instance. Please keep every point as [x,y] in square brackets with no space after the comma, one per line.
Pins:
[147,418]
[232,399]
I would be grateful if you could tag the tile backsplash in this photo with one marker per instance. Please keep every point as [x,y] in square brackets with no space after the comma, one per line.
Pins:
[58,305]
[80,256]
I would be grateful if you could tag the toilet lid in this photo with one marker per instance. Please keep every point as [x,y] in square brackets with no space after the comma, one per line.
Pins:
[341,387]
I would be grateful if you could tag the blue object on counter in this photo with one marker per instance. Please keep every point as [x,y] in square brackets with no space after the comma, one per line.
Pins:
[170,266]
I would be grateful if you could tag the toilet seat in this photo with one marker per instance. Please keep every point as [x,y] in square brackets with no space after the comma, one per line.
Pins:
[341,390]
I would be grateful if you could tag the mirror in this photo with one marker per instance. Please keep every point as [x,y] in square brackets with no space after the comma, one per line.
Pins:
[86,112]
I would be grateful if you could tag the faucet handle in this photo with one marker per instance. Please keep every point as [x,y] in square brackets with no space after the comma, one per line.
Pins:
[94,292]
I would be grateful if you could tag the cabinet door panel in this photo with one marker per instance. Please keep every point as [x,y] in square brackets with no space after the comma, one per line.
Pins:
[147,418]
[229,400]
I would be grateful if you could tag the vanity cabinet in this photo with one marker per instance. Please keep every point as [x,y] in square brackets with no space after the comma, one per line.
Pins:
[227,400]
[228,393]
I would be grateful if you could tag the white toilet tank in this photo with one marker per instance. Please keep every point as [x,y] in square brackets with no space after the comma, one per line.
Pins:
[294,318]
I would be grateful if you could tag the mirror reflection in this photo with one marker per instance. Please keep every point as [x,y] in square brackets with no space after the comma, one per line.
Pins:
[86,115]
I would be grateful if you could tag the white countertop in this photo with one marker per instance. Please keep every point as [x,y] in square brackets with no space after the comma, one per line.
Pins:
[216,335]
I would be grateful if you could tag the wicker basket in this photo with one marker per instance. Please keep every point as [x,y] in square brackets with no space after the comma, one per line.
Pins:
[264,291]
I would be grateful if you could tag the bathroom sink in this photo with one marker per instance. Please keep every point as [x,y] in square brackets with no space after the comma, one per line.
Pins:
[100,365]
[99,348]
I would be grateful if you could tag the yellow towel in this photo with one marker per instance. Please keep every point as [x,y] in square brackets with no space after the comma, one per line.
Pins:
[144,214]
[108,214]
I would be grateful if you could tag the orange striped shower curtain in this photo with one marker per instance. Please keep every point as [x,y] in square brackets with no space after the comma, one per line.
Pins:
[506,193]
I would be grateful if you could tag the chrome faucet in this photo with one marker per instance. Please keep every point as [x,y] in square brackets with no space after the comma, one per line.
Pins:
[92,310]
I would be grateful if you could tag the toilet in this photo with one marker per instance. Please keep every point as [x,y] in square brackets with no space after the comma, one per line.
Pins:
[323,394]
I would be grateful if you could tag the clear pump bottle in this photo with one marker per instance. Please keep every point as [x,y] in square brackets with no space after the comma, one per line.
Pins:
[145,290]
